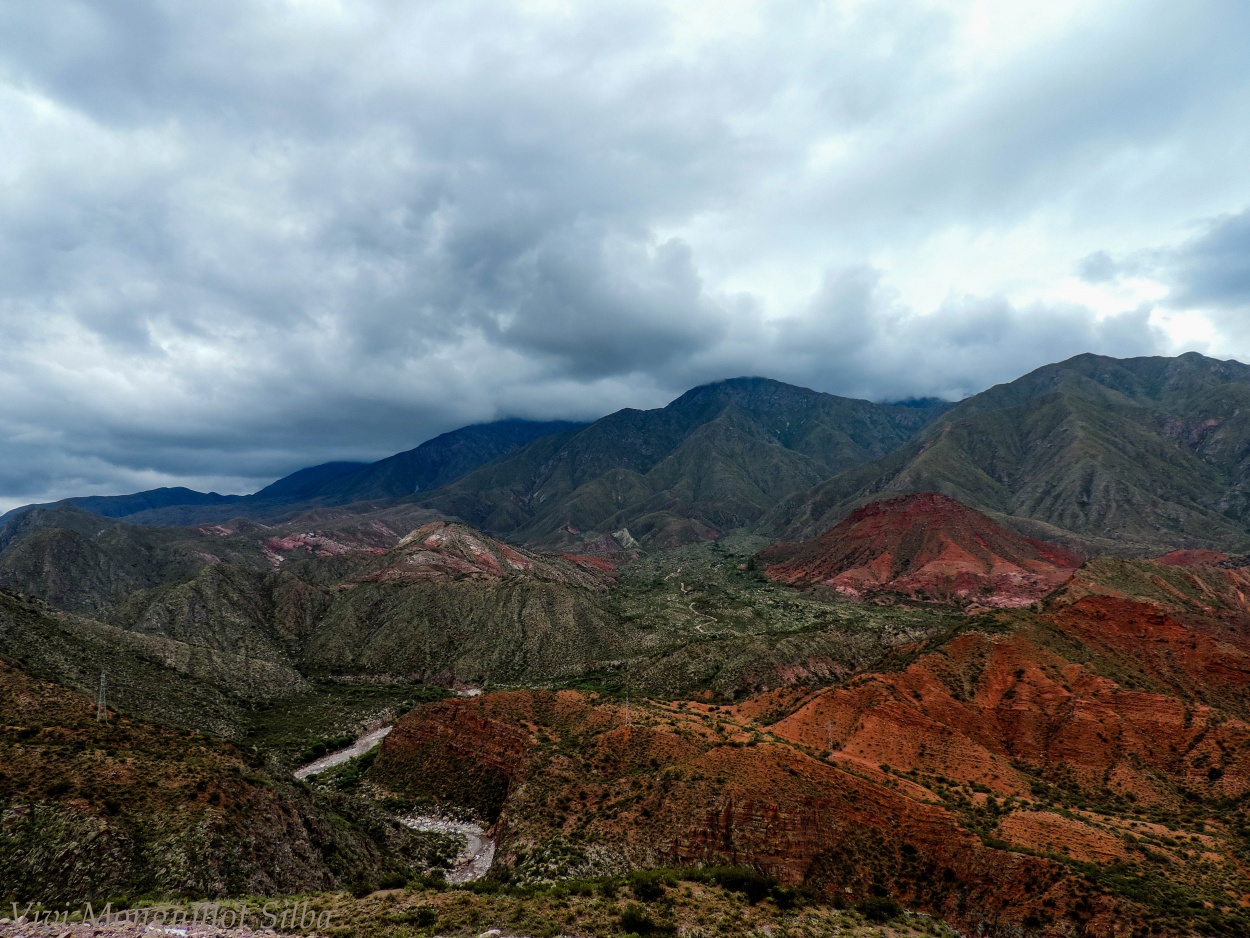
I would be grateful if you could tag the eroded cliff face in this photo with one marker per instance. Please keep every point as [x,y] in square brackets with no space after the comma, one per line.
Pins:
[455,756]
[586,792]
[1082,770]
[924,546]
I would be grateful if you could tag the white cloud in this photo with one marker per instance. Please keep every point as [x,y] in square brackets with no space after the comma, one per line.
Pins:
[240,238]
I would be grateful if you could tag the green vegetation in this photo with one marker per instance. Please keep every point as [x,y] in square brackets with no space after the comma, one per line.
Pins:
[1134,455]
[878,909]
[329,715]
[714,460]
[423,910]
[93,809]
[711,621]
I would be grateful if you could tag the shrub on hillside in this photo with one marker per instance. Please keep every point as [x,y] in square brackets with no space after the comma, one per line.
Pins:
[752,883]
[878,909]
[649,885]
[635,920]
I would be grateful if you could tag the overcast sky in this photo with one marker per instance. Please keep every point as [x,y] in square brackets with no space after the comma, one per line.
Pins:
[245,236]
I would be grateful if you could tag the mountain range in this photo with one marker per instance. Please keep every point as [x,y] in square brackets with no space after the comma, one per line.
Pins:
[986,659]
[1125,455]
[1102,454]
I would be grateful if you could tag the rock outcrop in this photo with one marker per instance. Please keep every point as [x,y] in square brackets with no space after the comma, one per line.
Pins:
[927,547]
[446,550]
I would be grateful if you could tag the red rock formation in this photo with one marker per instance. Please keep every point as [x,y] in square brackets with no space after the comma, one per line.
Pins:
[925,546]
[445,550]
[670,788]
[973,782]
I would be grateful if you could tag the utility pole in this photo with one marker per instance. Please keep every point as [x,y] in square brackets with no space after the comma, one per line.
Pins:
[101,707]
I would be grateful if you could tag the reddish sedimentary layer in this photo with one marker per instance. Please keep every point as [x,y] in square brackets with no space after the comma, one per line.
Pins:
[1109,730]
[1192,558]
[928,547]
[668,788]
[445,550]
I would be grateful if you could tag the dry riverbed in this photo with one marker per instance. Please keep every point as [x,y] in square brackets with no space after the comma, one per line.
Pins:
[478,852]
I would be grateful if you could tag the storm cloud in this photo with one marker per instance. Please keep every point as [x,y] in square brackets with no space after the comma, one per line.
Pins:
[240,238]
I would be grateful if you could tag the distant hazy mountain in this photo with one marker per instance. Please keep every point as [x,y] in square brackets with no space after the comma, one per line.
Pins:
[305,483]
[121,506]
[1135,453]
[433,463]
[436,462]
[717,458]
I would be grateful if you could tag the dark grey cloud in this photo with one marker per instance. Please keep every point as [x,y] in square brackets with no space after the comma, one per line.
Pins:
[1213,269]
[1099,267]
[856,337]
[239,238]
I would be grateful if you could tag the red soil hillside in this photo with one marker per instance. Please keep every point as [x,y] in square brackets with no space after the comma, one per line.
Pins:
[925,546]
[1079,771]
[1192,558]
[574,790]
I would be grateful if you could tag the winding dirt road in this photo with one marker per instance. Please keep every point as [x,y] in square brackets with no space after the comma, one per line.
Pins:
[362,745]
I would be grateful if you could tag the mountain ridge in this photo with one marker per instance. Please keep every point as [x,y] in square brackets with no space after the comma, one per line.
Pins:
[1122,454]
[435,462]
[717,457]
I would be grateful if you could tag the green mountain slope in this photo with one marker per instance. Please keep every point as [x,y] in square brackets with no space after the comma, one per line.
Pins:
[438,461]
[201,627]
[717,458]
[1124,454]
[91,809]
[85,563]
